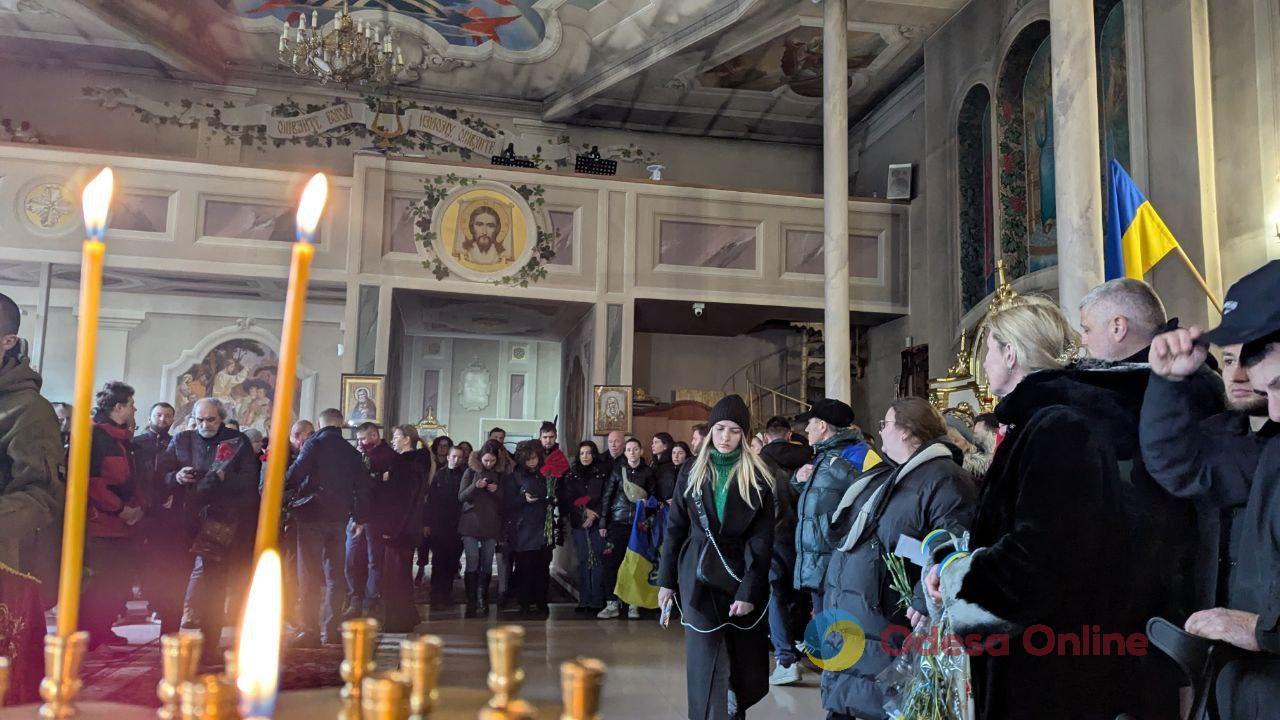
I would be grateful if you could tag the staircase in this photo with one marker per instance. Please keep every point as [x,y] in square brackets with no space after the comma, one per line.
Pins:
[789,380]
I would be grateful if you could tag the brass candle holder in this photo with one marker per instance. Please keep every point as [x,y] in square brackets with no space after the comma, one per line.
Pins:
[230,667]
[515,710]
[209,697]
[179,659]
[581,682]
[5,673]
[61,684]
[420,662]
[385,696]
[359,647]
[505,677]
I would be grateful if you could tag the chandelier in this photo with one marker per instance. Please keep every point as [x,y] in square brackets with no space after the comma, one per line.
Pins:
[347,51]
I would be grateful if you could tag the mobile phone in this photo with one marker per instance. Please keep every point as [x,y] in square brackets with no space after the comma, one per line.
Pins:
[665,618]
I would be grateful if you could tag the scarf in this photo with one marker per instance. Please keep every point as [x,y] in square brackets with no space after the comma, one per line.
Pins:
[722,465]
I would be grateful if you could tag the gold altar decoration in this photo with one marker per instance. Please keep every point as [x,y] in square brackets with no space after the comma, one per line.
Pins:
[965,375]
[210,697]
[359,645]
[62,657]
[179,658]
[5,673]
[429,428]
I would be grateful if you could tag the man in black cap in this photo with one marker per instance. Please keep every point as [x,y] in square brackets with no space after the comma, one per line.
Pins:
[1250,616]
[839,455]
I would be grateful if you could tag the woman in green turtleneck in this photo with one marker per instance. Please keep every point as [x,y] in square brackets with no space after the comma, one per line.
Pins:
[722,578]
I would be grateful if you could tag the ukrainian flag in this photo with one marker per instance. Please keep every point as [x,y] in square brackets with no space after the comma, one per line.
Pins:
[1136,237]
[638,575]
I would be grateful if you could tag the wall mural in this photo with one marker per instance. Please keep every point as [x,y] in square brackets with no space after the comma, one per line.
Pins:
[1012,143]
[1042,213]
[433,130]
[793,61]
[239,372]
[977,214]
[695,244]
[1113,92]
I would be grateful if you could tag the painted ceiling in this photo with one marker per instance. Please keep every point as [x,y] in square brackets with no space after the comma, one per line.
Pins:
[726,68]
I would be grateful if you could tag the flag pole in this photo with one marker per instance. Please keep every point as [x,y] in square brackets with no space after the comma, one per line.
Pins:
[1199,278]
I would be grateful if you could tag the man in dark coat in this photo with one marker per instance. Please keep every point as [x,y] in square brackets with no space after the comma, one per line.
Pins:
[213,474]
[1249,618]
[789,611]
[443,510]
[330,483]
[364,560]
[168,564]
[839,454]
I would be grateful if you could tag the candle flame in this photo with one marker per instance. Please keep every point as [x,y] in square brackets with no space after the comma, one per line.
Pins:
[311,205]
[96,202]
[258,651]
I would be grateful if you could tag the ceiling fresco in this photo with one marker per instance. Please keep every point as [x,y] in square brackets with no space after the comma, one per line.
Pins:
[793,61]
[721,68]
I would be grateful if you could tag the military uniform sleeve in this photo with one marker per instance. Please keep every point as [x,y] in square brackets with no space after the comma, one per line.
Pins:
[36,487]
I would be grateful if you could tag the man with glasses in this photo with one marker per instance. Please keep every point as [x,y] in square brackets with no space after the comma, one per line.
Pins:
[214,475]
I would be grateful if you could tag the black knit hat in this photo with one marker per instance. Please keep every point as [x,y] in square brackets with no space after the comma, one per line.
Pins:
[733,409]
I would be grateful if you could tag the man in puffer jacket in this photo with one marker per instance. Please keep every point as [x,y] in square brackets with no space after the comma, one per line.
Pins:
[839,455]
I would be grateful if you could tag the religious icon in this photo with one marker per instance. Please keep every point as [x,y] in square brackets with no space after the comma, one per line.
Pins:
[363,398]
[484,231]
[612,409]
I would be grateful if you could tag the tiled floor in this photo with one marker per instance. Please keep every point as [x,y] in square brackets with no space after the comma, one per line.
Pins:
[646,677]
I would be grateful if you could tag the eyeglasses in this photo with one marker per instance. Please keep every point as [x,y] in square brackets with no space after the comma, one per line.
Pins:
[886,423]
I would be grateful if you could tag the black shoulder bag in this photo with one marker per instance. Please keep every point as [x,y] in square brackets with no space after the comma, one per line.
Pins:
[714,569]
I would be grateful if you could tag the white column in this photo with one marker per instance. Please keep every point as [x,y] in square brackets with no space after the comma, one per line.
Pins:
[835,188]
[39,338]
[114,326]
[1076,150]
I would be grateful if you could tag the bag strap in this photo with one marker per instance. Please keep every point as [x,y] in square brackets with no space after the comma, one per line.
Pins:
[706,527]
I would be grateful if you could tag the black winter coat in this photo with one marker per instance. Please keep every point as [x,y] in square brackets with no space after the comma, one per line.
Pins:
[331,480]
[664,476]
[746,532]
[531,518]
[618,509]
[396,507]
[482,509]
[1210,460]
[443,509]
[928,492]
[1070,531]
[587,481]
[788,456]
[234,494]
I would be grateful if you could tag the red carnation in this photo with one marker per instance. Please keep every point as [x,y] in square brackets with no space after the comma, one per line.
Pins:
[226,451]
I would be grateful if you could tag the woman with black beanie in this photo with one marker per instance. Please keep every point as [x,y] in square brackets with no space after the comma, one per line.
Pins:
[715,568]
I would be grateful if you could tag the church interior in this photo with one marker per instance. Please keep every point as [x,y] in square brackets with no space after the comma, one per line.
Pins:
[605,214]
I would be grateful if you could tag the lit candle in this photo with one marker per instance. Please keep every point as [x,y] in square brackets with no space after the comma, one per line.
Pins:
[95,203]
[258,651]
[309,209]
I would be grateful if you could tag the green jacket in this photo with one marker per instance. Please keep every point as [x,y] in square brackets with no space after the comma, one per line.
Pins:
[32,461]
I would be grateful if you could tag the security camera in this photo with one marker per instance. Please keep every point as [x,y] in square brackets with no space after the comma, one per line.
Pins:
[698,309]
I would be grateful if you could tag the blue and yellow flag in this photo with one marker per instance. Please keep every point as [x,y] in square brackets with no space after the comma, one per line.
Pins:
[1136,237]
[638,575]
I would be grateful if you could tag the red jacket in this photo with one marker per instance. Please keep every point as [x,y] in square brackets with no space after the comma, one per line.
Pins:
[112,486]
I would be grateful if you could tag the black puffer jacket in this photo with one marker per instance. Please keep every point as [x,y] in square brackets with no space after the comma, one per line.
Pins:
[664,476]
[618,509]
[930,491]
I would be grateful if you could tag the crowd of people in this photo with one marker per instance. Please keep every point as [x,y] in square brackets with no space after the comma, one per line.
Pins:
[1124,475]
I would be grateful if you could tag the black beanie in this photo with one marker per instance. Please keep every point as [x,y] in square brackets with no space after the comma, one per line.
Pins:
[733,409]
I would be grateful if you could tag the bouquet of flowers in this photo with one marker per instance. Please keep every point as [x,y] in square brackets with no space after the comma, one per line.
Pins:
[930,679]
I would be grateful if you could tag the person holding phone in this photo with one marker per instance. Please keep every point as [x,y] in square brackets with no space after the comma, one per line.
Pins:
[715,566]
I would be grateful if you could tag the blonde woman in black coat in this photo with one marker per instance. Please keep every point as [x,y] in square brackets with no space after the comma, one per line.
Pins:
[721,580]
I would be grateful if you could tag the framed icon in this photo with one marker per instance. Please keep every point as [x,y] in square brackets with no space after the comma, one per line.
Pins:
[612,409]
[364,399]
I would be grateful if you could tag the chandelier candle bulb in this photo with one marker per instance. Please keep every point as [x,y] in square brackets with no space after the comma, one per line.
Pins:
[310,208]
[96,203]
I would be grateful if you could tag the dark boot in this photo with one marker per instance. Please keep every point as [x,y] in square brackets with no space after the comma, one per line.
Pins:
[484,594]
[471,581]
